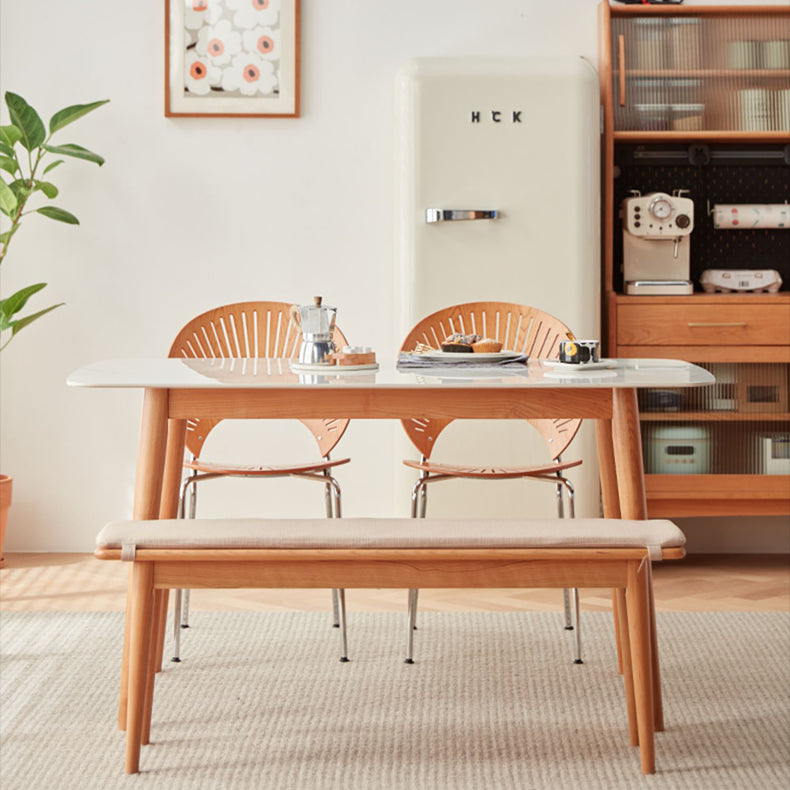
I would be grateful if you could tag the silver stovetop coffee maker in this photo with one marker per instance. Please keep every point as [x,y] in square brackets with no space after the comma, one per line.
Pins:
[316,322]
[656,238]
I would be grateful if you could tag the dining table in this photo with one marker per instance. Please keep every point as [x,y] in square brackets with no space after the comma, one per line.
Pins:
[180,389]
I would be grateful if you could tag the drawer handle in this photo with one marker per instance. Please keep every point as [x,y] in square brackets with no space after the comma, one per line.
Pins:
[694,324]
[621,67]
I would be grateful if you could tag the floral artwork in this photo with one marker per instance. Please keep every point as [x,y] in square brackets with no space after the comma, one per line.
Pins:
[232,57]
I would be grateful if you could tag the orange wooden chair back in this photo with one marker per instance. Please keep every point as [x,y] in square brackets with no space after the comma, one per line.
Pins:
[520,328]
[249,330]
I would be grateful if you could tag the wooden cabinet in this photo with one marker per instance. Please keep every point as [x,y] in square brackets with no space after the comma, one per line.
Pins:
[694,99]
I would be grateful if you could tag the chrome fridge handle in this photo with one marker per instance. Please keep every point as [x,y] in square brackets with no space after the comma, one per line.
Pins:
[454,214]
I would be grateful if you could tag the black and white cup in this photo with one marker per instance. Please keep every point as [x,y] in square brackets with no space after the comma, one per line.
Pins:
[578,352]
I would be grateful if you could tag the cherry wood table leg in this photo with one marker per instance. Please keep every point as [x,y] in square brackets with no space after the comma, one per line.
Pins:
[641,660]
[147,496]
[611,507]
[627,451]
[633,504]
[139,650]
[168,508]
[153,662]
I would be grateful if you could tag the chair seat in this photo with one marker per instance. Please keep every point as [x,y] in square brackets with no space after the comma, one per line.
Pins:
[490,472]
[270,470]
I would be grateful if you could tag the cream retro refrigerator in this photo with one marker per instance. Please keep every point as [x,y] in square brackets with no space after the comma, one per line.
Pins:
[498,181]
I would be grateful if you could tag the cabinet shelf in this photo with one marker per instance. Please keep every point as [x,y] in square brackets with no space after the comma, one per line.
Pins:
[722,74]
[718,135]
[713,416]
[717,495]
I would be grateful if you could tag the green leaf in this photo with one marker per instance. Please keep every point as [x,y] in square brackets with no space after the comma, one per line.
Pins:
[77,151]
[50,190]
[21,188]
[26,120]
[69,114]
[4,237]
[7,150]
[53,212]
[52,165]
[10,135]
[14,303]
[8,201]
[18,325]
[9,165]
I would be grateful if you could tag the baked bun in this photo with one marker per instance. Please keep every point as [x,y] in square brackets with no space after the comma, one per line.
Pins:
[486,346]
[460,344]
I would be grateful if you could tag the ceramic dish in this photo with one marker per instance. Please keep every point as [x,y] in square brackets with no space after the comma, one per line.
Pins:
[580,368]
[331,370]
[580,375]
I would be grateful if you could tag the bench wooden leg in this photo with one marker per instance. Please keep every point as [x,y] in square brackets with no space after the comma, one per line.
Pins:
[637,598]
[618,608]
[127,624]
[161,626]
[154,662]
[139,654]
[621,620]
[658,704]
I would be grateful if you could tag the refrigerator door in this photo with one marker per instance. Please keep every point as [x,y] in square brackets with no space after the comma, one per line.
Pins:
[499,200]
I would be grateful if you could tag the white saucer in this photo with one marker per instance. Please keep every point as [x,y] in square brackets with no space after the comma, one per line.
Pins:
[576,375]
[331,370]
[581,367]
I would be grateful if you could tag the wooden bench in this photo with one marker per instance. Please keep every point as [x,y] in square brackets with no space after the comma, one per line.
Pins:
[397,553]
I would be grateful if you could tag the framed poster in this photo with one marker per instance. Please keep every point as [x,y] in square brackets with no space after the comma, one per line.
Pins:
[228,58]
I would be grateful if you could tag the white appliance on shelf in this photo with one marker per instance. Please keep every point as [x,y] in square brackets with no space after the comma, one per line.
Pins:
[678,450]
[498,179]
[773,454]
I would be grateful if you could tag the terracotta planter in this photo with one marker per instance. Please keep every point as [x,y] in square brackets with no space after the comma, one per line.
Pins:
[5,502]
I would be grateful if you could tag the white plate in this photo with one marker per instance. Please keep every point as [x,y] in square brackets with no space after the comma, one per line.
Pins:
[570,366]
[589,375]
[465,356]
[302,367]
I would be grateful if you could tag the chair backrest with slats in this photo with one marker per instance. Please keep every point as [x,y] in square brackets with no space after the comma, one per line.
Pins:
[520,328]
[249,330]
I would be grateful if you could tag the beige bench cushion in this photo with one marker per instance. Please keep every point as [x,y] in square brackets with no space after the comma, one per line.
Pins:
[383,533]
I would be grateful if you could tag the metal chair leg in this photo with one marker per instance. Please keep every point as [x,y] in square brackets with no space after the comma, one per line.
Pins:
[577,659]
[341,595]
[419,503]
[575,624]
[176,657]
[185,610]
[334,502]
[411,626]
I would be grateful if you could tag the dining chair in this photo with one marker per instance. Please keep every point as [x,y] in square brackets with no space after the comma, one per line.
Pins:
[253,330]
[521,329]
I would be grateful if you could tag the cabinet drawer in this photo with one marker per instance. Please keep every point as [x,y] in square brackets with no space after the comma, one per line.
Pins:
[702,325]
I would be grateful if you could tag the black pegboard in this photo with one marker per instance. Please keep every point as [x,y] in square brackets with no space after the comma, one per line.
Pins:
[722,174]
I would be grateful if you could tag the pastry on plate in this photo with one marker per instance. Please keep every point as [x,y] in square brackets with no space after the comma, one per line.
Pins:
[486,346]
[459,344]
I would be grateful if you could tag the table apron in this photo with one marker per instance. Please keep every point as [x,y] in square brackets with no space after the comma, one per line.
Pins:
[395,403]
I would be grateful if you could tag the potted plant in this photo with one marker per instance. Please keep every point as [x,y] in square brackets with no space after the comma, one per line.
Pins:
[27,155]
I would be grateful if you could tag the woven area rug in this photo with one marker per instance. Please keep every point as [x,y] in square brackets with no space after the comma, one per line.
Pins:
[494,701]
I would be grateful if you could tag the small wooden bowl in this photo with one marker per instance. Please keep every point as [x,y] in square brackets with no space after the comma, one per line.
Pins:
[354,359]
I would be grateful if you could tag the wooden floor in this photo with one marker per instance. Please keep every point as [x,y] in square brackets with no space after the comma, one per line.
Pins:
[79,582]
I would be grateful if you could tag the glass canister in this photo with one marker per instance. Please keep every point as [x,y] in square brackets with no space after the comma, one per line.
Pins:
[684,43]
[649,44]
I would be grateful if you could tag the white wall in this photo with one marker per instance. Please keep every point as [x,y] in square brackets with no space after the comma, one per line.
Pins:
[191,213]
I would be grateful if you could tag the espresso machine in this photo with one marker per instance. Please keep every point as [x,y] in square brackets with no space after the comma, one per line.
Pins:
[656,239]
